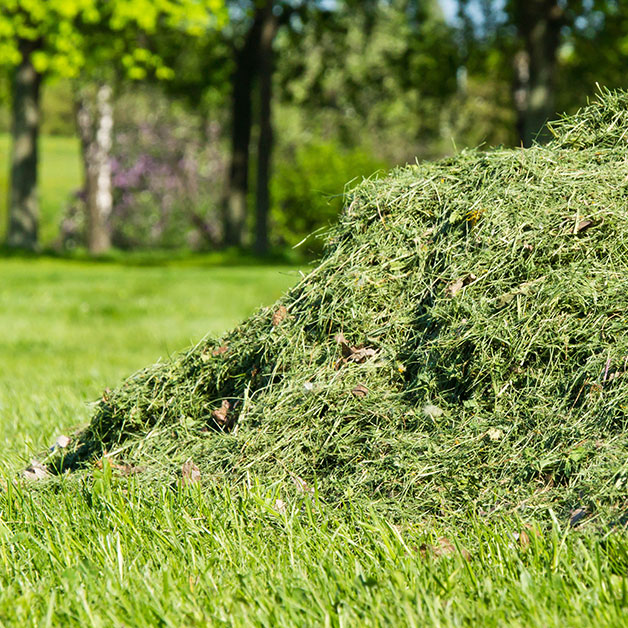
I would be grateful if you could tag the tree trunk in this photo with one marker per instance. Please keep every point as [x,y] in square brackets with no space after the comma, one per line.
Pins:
[265,140]
[94,116]
[235,206]
[23,201]
[539,23]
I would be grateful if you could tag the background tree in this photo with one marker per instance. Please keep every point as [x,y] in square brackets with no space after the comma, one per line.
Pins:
[253,66]
[23,202]
[79,38]
[269,23]
[335,91]
[29,32]
[539,24]
[551,52]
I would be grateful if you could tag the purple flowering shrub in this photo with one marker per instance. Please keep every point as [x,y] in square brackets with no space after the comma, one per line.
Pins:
[168,173]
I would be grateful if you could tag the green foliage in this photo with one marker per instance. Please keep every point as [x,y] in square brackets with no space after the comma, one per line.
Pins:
[308,189]
[76,35]
[57,107]
[375,70]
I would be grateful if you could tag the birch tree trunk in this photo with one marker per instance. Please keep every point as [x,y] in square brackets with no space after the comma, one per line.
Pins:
[94,116]
[23,201]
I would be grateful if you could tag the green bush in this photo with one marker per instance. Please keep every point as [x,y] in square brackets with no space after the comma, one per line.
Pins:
[308,189]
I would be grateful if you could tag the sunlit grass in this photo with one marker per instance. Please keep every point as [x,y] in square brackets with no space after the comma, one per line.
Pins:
[70,329]
[114,551]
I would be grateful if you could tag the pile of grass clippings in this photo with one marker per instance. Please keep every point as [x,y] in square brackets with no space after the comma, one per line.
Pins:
[463,344]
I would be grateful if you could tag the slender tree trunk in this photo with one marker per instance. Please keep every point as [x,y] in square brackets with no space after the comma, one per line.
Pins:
[539,23]
[23,201]
[265,140]
[94,116]
[235,206]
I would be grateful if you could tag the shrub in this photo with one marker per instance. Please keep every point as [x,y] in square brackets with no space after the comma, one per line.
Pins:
[308,189]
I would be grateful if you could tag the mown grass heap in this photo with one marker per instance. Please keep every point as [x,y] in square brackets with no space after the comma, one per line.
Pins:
[462,344]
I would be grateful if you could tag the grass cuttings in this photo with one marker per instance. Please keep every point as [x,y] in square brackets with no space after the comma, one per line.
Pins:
[462,344]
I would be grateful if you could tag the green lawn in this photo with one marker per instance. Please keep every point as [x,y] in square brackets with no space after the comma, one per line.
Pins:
[60,176]
[118,551]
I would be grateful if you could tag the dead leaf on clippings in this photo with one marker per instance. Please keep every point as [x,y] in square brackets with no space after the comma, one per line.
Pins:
[454,288]
[525,289]
[344,345]
[583,225]
[524,540]
[442,547]
[361,354]
[576,516]
[220,350]
[279,314]
[221,415]
[190,473]
[124,468]
[351,353]
[360,391]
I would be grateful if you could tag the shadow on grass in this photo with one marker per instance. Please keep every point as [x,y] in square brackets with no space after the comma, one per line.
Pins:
[160,257]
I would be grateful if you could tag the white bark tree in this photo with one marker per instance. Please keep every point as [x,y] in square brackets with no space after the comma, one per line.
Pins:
[94,117]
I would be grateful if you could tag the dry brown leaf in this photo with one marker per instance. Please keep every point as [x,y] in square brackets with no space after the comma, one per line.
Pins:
[454,288]
[524,540]
[583,225]
[128,469]
[361,354]
[360,391]
[190,473]
[124,469]
[442,547]
[221,415]
[280,313]
[344,345]
[353,354]
[220,350]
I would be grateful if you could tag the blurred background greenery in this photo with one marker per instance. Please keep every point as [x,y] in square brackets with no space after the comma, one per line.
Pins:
[242,124]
